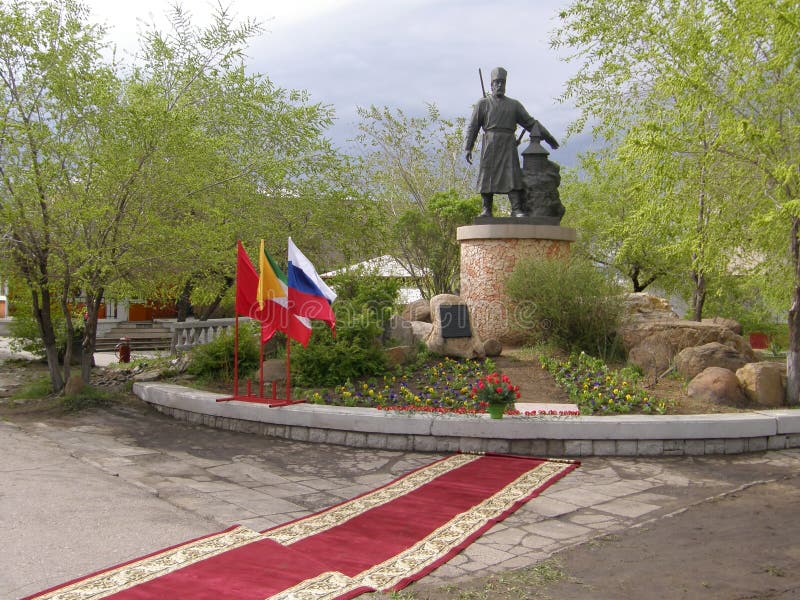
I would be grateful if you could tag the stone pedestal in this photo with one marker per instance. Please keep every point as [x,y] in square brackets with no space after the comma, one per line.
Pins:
[488,255]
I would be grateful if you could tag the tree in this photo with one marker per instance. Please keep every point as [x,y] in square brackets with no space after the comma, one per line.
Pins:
[721,77]
[54,93]
[606,205]
[415,170]
[428,237]
[127,179]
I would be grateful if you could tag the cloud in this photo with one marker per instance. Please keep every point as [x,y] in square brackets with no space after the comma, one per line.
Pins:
[401,54]
[407,54]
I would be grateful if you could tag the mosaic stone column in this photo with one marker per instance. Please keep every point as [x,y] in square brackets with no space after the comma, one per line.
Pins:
[488,256]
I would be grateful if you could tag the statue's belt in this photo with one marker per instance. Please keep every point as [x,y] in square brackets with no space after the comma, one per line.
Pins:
[500,130]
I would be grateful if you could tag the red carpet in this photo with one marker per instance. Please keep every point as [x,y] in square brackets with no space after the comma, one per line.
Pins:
[382,540]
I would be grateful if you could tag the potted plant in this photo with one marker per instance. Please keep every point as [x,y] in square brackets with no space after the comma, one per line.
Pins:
[496,391]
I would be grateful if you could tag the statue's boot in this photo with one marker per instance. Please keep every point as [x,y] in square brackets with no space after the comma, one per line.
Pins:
[487,205]
[517,204]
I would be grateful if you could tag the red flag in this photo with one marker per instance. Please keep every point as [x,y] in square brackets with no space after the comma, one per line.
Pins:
[246,285]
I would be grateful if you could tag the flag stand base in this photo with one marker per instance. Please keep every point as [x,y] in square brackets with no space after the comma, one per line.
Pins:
[271,401]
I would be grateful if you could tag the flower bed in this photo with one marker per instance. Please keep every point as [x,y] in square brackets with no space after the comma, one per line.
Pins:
[449,386]
[598,389]
[443,386]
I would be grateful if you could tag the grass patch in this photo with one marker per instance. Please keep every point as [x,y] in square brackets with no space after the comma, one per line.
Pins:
[89,397]
[38,388]
[511,585]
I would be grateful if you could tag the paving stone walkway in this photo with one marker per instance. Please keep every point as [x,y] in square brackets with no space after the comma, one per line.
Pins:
[87,491]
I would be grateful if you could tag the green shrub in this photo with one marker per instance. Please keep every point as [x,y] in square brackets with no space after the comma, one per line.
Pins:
[571,302]
[214,360]
[364,304]
[329,362]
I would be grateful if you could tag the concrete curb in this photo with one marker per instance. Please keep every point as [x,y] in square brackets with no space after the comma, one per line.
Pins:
[625,435]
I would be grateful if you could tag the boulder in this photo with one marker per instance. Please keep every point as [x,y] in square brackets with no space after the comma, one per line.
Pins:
[642,305]
[151,375]
[652,344]
[275,369]
[462,347]
[420,330]
[398,331]
[764,383]
[731,324]
[419,310]
[492,347]
[718,386]
[399,355]
[691,361]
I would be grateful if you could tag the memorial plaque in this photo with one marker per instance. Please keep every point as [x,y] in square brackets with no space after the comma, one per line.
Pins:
[455,321]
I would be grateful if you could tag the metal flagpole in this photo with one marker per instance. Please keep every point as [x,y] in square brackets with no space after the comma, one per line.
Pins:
[261,369]
[288,372]
[236,356]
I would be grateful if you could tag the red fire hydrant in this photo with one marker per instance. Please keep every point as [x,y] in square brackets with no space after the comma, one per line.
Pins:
[123,350]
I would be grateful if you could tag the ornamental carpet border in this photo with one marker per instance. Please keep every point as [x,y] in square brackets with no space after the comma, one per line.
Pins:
[379,541]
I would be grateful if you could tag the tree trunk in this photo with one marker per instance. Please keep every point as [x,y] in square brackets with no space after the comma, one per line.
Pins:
[698,295]
[634,274]
[183,304]
[793,354]
[70,330]
[93,302]
[229,281]
[41,312]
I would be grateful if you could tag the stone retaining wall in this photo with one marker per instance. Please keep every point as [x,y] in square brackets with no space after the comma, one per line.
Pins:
[628,435]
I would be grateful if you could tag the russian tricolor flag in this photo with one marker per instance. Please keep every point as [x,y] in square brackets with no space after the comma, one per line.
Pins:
[309,296]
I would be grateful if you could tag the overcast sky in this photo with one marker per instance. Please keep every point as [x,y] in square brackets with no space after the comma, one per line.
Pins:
[397,53]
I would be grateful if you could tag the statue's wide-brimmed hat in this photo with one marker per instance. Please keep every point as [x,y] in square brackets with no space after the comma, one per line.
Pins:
[499,73]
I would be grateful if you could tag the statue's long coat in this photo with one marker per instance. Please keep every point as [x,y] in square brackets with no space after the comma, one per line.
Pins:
[499,172]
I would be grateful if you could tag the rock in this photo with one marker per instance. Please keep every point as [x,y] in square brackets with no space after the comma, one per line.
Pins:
[74,386]
[718,386]
[463,347]
[275,369]
[147,376]
[691,361]
[419,310]
[492,347]
[398,332]
[653,358]
[399,355]
[652,344]
[764,383]
[421,330]
[731,324]
[646,306]
[180,363]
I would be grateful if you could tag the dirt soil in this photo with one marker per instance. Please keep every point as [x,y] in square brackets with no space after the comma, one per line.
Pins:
[740,546]
[745,545]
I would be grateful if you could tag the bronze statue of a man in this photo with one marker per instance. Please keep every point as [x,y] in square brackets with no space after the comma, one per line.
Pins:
[500,172]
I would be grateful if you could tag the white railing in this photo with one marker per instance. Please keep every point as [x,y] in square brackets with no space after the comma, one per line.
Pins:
[189,334]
